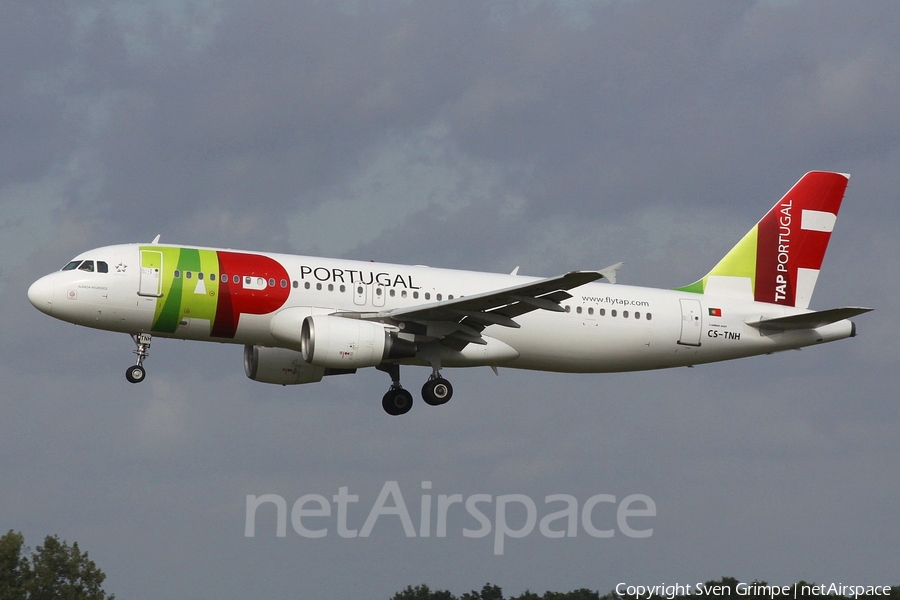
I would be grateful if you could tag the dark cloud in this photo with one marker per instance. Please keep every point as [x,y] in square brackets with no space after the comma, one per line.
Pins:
[34,134]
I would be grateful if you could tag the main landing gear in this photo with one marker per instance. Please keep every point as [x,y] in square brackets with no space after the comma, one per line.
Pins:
[136,373]
[436,390]
[397,401]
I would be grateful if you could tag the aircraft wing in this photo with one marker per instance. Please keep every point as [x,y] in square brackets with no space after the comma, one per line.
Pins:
[460,321]
[810,320]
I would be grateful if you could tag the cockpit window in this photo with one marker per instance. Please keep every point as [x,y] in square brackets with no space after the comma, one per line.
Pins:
[87,265]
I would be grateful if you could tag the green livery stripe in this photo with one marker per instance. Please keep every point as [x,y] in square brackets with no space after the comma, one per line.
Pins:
[184,297]
[739,262]
[694,288]
[199,300]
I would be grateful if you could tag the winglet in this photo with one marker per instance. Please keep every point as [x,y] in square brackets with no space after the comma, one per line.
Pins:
[156,239]
[610,272]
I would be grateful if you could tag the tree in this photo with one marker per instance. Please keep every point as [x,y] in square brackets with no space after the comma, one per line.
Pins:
[423,592]
[488,592]
[55,571]
[14,568]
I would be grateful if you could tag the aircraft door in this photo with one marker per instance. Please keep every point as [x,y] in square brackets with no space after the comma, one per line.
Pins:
[691,322]
[151,273]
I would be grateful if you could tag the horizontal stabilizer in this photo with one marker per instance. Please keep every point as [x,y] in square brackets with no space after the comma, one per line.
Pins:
[810,320]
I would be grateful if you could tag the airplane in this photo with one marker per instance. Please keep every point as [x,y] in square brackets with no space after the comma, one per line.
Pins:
[301,318]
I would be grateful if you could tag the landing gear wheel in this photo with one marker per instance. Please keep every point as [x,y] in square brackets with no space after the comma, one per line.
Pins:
[437,391]
[135,374]
[397,402]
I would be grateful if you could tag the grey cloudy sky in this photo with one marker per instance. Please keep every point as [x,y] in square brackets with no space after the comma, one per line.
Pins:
[474,135]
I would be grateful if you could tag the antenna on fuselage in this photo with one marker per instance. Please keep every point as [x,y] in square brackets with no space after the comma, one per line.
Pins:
[156,239]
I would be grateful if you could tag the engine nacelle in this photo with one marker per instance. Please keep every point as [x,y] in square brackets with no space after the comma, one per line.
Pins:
[279,365]
[342,343]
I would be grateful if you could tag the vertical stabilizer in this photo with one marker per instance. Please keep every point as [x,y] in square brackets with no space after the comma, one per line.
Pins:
[778,261]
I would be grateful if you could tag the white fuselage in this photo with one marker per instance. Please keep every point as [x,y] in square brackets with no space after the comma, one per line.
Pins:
[604,328]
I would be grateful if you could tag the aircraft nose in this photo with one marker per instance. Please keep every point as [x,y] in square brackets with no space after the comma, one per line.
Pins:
[40,294]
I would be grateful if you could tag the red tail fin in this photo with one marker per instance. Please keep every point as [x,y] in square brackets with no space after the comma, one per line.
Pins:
[778,261]
[793,237]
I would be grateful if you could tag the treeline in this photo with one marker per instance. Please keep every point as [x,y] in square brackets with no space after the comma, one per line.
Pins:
[54,571]
[725,587]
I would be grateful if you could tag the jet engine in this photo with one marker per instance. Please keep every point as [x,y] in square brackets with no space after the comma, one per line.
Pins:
[280,366]
[342,343]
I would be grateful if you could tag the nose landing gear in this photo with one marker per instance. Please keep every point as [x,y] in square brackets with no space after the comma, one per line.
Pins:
[136,373]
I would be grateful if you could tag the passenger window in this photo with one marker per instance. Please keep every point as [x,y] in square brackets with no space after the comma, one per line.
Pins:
[284,283]
[649,316]
[177,273]
[187,274]
[237,279]
[319,286]
[212,276]
[602,312]
[613,312]
[378,291]
[296,284]
[271,282]
[578,309]
[625,314]
[306,285]
[637,315]
[343,288]
[199,275]
[72,265]
[450,297]
[87,265]
[416,295]
[590,310]
[247,280]
[403,293]
[330,287]
[102,267]
[439,297]
[393,292]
